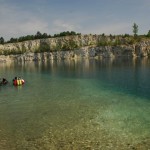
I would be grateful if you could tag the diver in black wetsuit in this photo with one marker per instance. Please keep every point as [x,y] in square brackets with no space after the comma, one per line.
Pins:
[3,81]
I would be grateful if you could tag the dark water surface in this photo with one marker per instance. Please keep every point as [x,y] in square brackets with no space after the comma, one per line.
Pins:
[83,104]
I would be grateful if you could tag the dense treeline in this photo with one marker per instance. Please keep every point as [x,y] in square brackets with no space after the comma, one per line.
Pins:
[66,34]
[38,35]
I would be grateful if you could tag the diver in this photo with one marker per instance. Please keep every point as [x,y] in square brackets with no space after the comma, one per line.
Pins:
[18,81]
[3,81]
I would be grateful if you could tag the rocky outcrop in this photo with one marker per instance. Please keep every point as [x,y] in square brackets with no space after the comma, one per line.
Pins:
[71,47]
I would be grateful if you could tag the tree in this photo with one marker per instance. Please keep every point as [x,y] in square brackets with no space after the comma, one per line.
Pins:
[103,34]
[44,35]
[1,40]
[148,34]
[38,35]
[135,29]
[12,40]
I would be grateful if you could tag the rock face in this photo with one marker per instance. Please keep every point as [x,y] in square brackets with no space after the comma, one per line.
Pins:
[72,47]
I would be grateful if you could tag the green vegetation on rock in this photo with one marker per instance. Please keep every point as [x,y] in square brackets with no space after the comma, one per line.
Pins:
[148,34]
[39,35]
[135,29]
[66,41]
[2,40]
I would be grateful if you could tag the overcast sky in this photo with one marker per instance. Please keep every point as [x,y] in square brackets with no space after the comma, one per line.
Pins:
[23,17]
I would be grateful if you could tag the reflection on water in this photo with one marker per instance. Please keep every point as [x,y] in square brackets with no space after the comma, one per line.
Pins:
[76,104]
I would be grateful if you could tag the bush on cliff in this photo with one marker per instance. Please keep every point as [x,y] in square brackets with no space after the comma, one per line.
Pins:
[148,34]
[2,40]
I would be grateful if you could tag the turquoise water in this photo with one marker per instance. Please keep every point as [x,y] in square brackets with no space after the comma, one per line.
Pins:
[82,104]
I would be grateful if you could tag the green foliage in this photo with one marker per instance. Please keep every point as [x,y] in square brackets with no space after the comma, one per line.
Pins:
[72,44]
[148,34]
[13,40]
[23,49]
[103,34]
[130,41]
[37,50]
[66,33]
[25,38]
[126,35]
[44,47]
[53,48]
[14,52]
[39,35]
[6,52]
[119,40]
[102,43]
[65,47]
[135,29]
[106,42]
[11,52]
[2,40]
[58,47]
[116,42]
[138,38]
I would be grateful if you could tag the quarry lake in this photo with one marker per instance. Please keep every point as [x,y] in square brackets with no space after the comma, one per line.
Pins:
[76,104]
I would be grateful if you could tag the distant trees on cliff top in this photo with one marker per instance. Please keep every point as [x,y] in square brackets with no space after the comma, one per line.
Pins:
[39,35]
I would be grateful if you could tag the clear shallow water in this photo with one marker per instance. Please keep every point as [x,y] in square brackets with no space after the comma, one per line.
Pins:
[84,104]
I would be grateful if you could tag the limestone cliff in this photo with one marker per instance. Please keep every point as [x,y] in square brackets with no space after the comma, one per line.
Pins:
[71,47]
